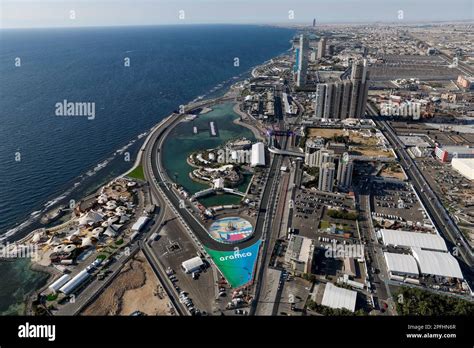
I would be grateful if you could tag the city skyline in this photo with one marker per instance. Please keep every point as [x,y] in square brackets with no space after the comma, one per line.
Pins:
[52,13]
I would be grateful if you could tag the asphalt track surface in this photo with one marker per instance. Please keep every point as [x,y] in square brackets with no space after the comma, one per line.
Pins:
[153,168]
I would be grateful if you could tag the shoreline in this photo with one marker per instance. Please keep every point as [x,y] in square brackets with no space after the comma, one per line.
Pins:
[92,188]
[22,231]
[255,131]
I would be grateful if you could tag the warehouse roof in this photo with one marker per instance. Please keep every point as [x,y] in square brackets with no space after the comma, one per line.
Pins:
[460,149]
[336,297]
[437,263]
[413,239]
[401,263]
[465,166]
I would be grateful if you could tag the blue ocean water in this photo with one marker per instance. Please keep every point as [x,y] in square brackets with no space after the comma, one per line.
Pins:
[169,65]
[42,155]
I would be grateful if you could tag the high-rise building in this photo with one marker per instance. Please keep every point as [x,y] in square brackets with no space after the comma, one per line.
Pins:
[364,94]
[346,99]
[330,50]
[324,156]
[297,61]
[357,70]
[302,61]
[320,97]
[336,100]
[312,148]
[322,47]
[314,22]
[340,100]
[326,177]
[360,89]
[354,99]
[328,101]
[344,171]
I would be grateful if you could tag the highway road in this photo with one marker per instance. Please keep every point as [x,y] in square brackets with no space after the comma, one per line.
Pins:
[265,223]
[437,212]
[374,250]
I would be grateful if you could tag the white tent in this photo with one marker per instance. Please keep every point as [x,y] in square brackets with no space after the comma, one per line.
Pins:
[336,297]
[401,264]
[192,265]
[406,239]
[90,218]
[437,263]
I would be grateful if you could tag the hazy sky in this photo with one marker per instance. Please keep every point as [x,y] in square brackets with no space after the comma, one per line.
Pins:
[57,13]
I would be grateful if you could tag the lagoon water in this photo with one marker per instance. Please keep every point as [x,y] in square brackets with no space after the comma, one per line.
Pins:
[182,142]
[42,155]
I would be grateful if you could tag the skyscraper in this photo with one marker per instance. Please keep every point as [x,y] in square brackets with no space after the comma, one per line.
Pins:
[330,50]
[336,100]
[346,99]
[323,156]
[302,61]
[320,97]
[340,100]
[360,89]
[328,101]
[354,98]
[364,91]
[326,177]
[344,171]
[322,47]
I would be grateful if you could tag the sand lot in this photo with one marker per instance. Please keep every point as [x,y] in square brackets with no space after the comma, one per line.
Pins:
[393,172]
[324,132]
[136,288]
[359,144]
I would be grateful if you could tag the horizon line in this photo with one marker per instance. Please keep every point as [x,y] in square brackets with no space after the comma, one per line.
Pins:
[281,24]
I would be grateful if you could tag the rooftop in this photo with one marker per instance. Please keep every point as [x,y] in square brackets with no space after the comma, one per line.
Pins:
[337,298]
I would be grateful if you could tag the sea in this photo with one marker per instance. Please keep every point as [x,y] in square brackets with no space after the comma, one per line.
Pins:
[132,77]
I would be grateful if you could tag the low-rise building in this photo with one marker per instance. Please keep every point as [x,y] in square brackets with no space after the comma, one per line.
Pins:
[447,153]
[299,254]
[338,298]
[465,166]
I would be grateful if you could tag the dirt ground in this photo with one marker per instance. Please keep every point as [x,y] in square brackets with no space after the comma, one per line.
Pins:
[324,132]
[366,146]
[389,173]
[136,288]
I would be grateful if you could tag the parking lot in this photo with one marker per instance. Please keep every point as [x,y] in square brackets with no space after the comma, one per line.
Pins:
[310,210]
[293,298]
[395,200]
[455,191]
[172,248]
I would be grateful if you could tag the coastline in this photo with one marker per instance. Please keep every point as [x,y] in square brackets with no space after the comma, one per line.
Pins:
[237,121]
[91,189]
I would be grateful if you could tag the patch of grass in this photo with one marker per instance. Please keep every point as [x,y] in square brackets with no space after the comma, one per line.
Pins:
[52,297]
[324,224]
[137,173]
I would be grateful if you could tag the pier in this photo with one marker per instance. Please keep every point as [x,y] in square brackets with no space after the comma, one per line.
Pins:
[213,129]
